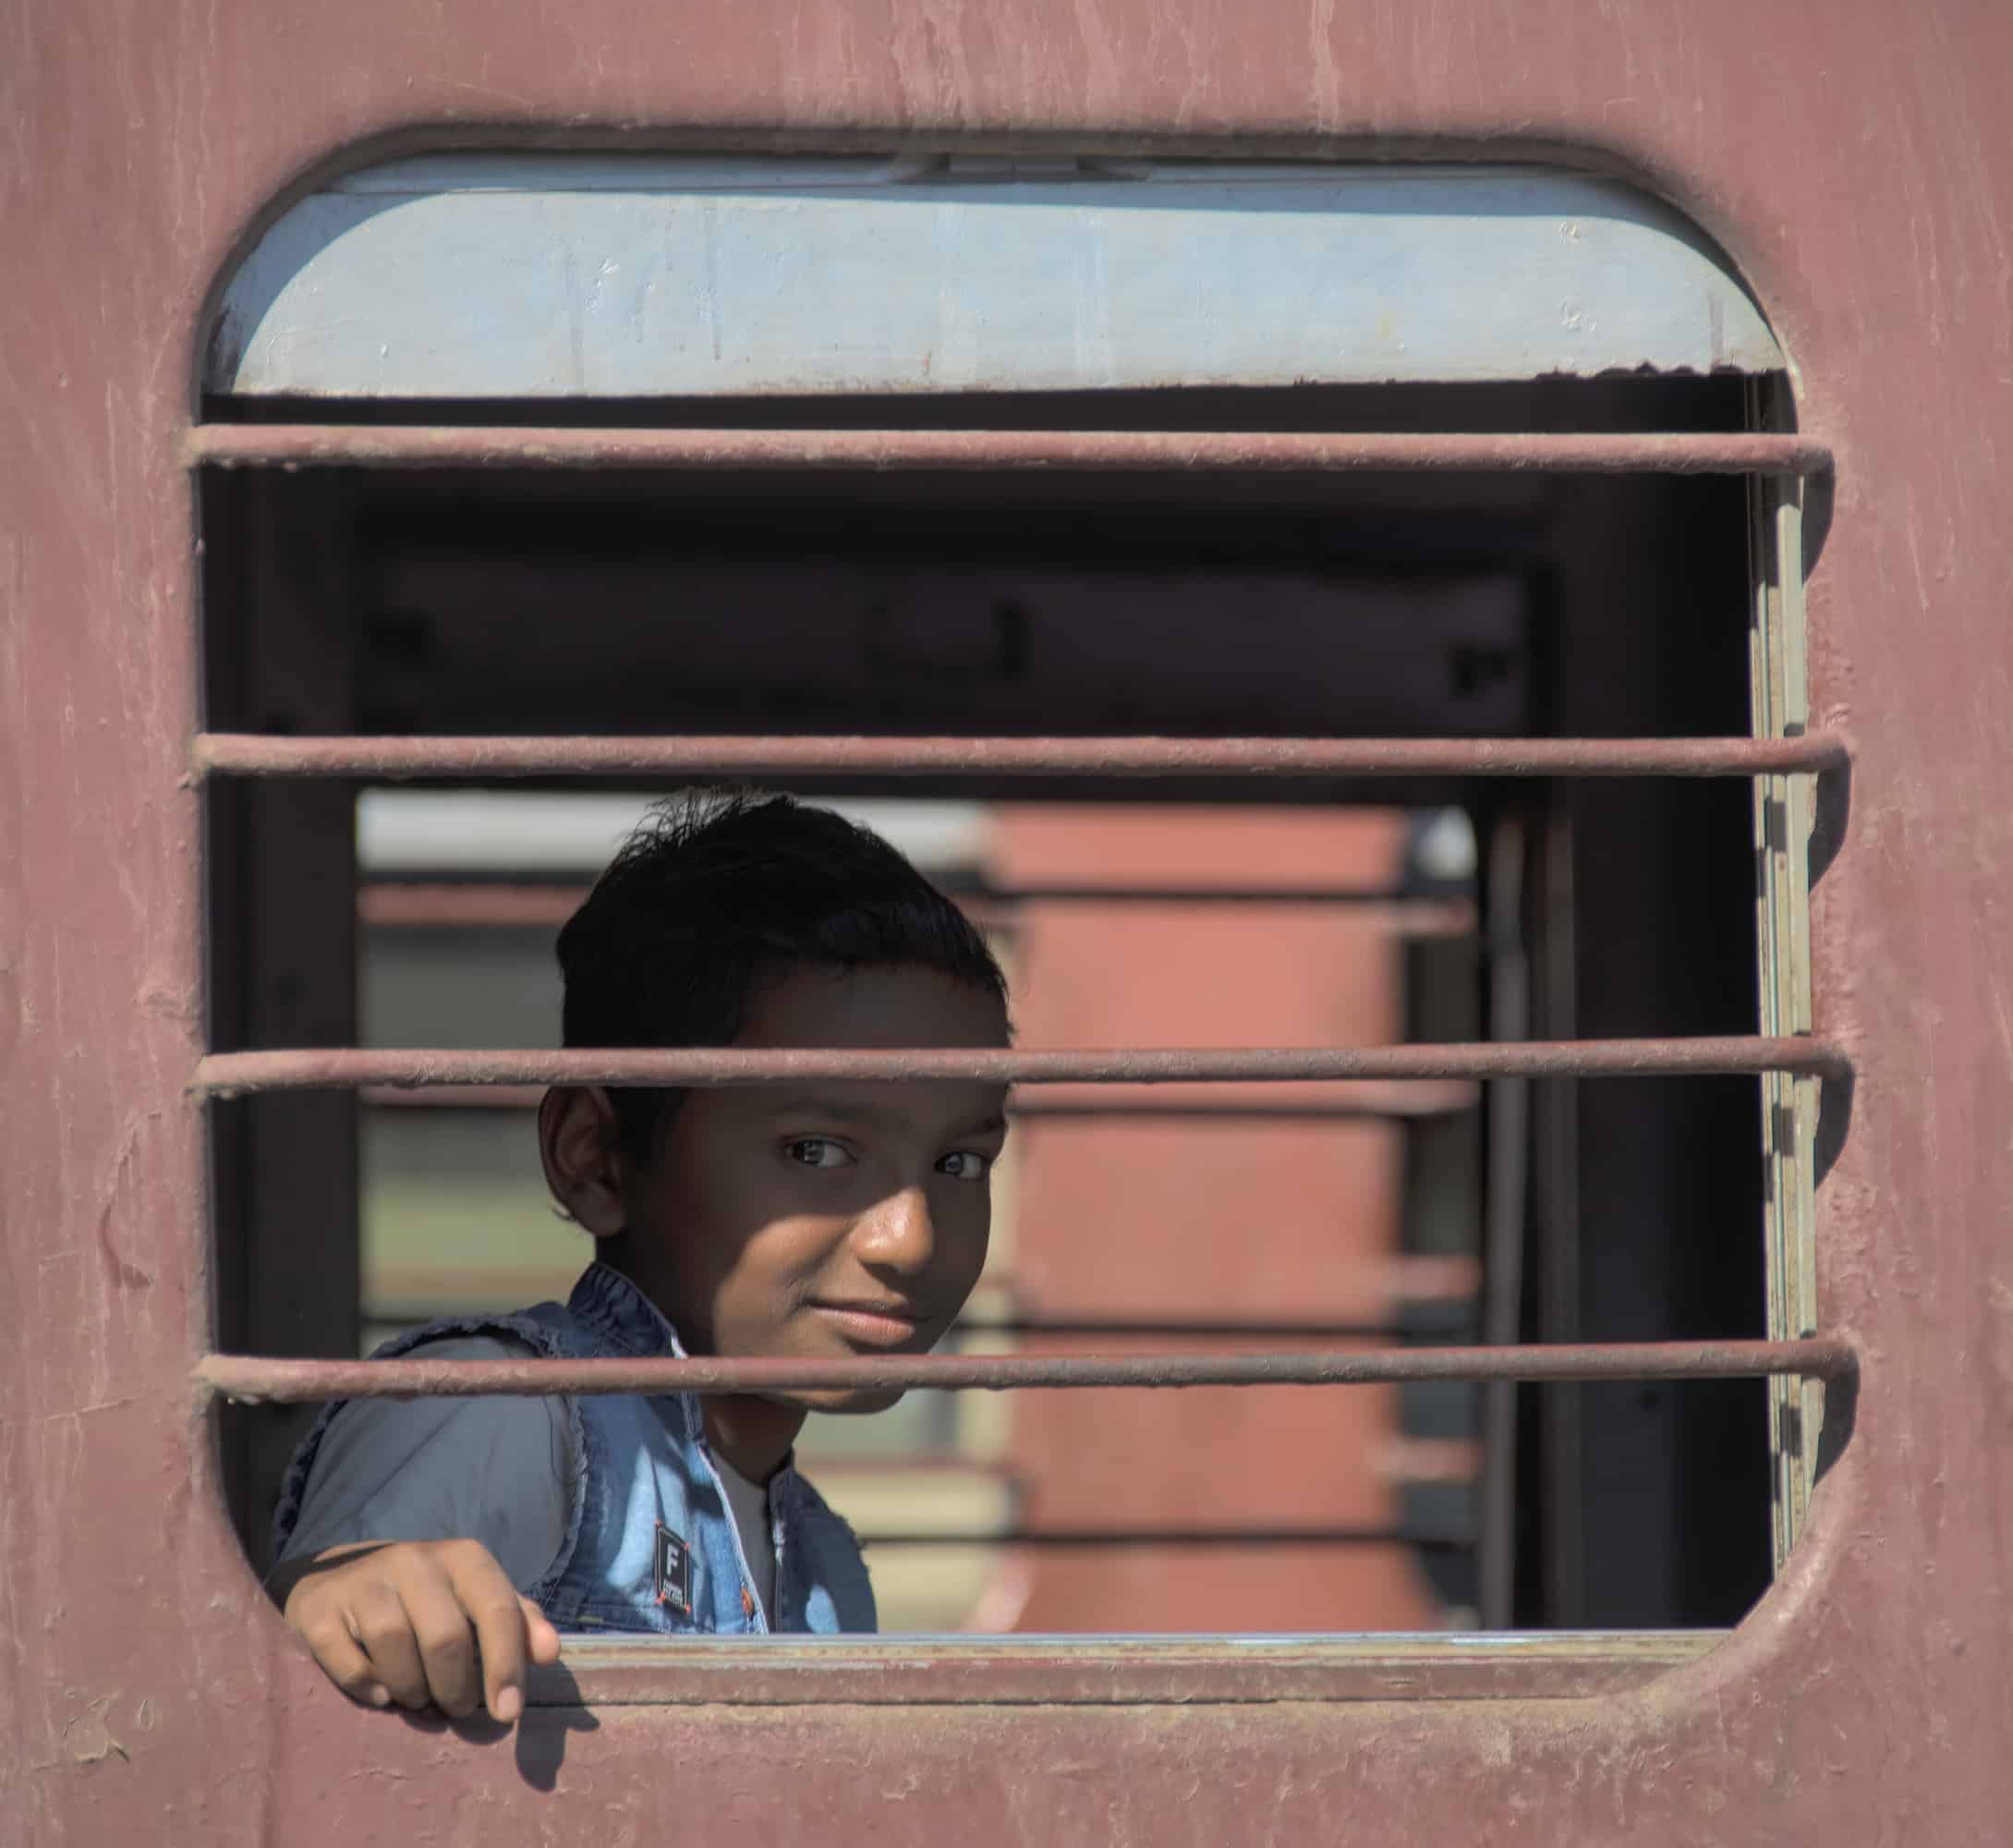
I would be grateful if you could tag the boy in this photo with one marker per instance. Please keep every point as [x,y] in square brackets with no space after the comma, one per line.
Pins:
[428,1548]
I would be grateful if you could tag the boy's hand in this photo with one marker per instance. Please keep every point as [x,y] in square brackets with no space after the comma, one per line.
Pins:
[417,1621]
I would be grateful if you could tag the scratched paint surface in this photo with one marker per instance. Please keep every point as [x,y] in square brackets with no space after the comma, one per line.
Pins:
[506,278]
[1857,161]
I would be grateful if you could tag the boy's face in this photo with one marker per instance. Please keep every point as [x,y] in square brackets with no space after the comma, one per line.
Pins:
[825,1220]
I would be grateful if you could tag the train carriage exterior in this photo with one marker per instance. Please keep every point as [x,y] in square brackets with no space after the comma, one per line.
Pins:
[1851,167]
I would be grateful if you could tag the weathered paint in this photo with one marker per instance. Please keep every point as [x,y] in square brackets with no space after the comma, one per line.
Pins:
[1857,162]
[508,277]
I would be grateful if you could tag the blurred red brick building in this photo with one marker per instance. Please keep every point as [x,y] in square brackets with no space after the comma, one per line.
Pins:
[1194,1220]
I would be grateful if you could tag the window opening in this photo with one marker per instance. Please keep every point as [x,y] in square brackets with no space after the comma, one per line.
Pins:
[386,530]
[1473,596]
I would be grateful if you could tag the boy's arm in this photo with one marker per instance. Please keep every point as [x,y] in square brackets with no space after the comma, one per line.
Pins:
[421,1523]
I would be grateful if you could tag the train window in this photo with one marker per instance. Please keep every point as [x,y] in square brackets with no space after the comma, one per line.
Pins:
[1366,701]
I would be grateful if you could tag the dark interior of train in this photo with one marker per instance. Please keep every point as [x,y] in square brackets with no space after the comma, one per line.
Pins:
[1043,603]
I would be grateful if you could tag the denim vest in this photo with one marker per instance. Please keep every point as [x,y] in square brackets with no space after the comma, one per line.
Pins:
[651,1545]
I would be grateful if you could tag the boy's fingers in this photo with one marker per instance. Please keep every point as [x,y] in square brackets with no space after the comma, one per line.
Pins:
[379,1621]
[426,1622]
[441,1622]
[491,1601]
[539,1629]
[342,1661]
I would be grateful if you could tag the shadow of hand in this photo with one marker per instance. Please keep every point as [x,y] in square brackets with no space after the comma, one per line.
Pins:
[540,1734]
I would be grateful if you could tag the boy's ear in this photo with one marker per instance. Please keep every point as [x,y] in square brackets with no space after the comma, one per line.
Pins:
[582,1153]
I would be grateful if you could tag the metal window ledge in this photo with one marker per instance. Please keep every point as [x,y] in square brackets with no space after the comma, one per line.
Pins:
[1108,1670]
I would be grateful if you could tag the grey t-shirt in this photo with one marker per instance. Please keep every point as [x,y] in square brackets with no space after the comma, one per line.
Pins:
[495,1470]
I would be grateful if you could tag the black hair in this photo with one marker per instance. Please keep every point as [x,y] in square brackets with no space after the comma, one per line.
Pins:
[714,891]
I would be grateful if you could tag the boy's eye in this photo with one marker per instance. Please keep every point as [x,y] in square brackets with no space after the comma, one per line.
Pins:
[966,1164]
[816,1151]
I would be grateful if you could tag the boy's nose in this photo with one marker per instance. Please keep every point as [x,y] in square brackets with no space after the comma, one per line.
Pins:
[897,1233]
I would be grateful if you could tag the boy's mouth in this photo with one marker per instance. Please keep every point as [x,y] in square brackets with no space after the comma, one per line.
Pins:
[873,1324]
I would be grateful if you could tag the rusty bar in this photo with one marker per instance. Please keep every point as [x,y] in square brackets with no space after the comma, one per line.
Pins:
[392,759]
[257,1377]
[300,446]
[355,1067]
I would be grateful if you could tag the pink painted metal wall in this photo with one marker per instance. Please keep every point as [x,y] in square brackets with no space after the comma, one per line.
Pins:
[1857,161]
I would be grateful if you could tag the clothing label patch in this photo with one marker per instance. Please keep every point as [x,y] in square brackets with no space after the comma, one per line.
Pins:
[673,1575]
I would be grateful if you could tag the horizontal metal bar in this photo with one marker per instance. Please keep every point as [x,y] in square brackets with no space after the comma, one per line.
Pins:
[355,1067]
[396,758]
[1060,1538]
[253,1377]
[299,445]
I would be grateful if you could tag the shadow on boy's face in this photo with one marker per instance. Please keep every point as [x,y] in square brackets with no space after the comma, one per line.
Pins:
[821,1220]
